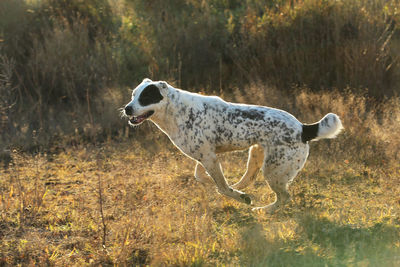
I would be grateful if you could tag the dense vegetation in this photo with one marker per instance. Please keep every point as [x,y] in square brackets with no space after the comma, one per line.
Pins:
[63,62]
[79,186]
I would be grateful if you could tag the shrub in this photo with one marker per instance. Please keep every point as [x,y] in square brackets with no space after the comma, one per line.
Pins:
[314,43]
[66,54]
[63,57]
[320,44]
[7,99]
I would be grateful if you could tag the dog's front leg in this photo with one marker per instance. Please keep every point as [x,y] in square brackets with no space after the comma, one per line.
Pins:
[201,175]
[213,167]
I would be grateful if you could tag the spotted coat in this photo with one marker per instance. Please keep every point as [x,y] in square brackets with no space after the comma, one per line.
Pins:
[203,126]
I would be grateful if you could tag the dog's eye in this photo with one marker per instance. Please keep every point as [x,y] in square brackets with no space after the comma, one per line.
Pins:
[150,95]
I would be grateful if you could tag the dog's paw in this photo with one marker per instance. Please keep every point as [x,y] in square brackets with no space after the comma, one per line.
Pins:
[269,209]
[246,198]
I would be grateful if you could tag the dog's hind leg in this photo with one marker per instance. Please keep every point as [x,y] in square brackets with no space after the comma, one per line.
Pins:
[213,168]
[280,168]
[201,175]
[279,185]
[254,163]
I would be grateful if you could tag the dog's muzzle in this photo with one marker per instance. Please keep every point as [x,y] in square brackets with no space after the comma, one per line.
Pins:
[139,119]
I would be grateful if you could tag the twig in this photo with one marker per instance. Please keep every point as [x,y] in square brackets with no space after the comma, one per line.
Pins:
[102,213]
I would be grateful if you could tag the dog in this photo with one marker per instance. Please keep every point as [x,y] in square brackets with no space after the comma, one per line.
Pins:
[203,126]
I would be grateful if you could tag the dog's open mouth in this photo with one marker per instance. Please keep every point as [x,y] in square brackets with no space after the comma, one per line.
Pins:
[141,118]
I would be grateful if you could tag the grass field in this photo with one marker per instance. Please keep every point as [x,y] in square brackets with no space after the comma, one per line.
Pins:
[79,187]
[135,201]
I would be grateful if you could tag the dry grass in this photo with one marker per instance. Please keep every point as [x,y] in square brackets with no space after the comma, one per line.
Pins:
[345,208]
[79,192]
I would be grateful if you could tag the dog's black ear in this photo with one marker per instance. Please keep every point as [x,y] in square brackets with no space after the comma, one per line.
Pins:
[150,95]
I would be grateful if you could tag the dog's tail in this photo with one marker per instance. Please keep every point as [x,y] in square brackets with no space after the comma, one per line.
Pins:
[328,127]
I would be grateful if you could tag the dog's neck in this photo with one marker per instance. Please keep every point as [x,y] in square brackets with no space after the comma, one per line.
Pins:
[166,119]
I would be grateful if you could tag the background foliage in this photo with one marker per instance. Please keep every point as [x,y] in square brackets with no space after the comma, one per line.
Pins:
[79,186]
[60,58]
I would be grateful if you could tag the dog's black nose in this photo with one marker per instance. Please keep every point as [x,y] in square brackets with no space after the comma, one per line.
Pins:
[129,110]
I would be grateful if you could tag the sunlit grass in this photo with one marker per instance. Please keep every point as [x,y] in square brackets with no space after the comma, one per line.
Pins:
[85,189]
[341,214]
[344,210]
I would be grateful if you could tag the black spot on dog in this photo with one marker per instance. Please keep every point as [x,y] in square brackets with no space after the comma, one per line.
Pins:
[250,114]
[150,95]
[274,123]
[287,138]
[310,131]
[324,122]
[190,120]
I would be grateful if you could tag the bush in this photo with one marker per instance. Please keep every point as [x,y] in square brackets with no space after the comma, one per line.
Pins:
[187,40]
[66,54]
[63,58]
[319,44]
[7,99]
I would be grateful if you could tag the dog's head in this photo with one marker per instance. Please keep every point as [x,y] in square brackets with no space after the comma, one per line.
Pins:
[148,98]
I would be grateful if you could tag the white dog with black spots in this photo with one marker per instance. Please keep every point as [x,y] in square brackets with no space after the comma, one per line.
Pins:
[203,126]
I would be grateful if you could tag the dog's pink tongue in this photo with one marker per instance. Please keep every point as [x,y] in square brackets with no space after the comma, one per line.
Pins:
[140,119]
